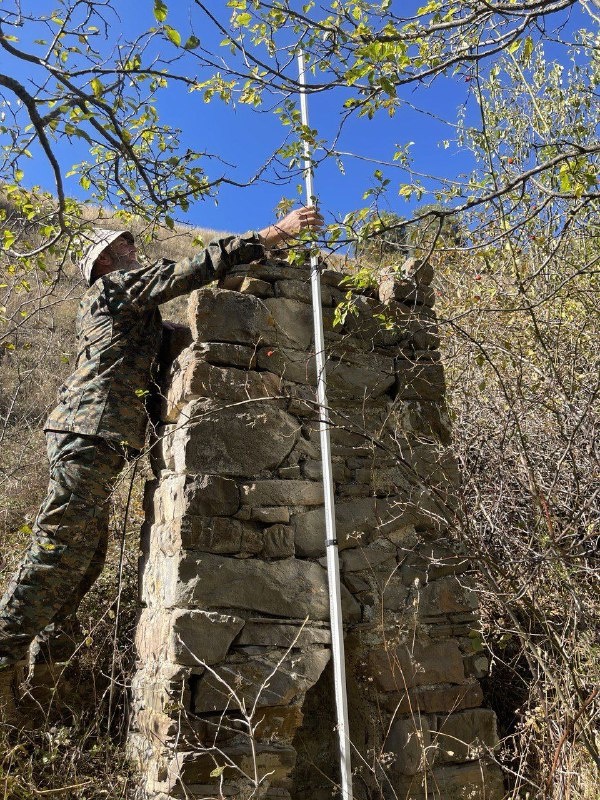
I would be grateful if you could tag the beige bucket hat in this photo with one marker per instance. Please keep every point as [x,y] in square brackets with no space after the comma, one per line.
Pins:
[98,240]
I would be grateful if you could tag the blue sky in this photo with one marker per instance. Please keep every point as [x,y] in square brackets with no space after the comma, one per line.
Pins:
[244,138]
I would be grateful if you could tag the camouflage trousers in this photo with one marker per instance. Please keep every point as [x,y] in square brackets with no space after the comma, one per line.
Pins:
[69,541]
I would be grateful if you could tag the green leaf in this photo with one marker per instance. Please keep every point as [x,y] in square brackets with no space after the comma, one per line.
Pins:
[8,239]
[173,35]
[192,43]
[97,87]
[513,46]
[160,10]
[82,135]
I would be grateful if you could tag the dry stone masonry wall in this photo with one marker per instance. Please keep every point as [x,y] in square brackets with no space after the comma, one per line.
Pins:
[233,695]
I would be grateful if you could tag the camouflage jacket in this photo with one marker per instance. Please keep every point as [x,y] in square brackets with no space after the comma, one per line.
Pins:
[119,331]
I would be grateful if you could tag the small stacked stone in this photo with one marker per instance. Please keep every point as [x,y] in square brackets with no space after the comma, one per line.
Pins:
[233,695]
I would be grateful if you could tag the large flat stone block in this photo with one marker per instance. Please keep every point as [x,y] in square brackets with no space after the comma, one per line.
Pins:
[223,354]
[247,285]
[177,495]
[282,493]
[409,740]
[220,315]
[380,553]
[293,322]
[268,761]
[200,379]
[242,440]
[466,735]
[436,699]
[185,637]
[447,595]
[360,520]
[300,290]
[353,375]
[419,663]
[269,270]
[222,535]
[421,418]
[275,679]
[268,632]
[285,588]
[419,380]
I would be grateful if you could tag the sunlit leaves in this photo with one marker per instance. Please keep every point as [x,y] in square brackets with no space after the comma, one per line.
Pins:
[160,10]
[97,87]
[8,238]
[133,63]
[433,5]
[241,20]
[367,49]
[192,43]
[217,86]
[172,35]
[577,176]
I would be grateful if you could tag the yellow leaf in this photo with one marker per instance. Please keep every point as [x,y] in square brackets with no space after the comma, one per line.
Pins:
[173,35]
[97,87]
[9,238]
[217,772]
[160,10]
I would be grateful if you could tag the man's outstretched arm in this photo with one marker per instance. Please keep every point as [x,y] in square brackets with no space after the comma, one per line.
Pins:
[148,287]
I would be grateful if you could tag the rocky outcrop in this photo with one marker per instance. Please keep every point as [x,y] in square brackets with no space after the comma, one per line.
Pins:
[233,694]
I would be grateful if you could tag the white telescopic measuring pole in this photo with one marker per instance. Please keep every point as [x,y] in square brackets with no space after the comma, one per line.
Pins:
[333,564]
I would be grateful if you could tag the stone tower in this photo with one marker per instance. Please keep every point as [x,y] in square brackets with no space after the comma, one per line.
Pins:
[233,694]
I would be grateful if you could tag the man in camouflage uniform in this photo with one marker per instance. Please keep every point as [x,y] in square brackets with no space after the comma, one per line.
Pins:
[100,420]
